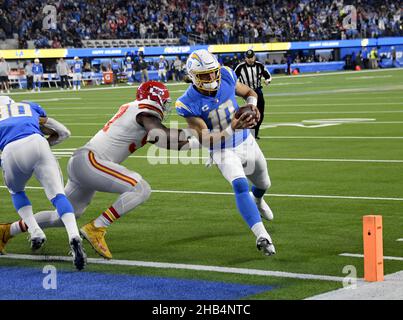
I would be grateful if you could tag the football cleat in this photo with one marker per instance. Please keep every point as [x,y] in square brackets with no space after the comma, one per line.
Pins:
[266,245]
[5,236]
[263,207]
[96,237]
[79,255]
[37,239]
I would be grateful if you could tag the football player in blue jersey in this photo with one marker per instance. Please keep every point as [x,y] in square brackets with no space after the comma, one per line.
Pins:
[37,70]
[209,106]
[25,152]
[162,69]
[77,73]
[129,70]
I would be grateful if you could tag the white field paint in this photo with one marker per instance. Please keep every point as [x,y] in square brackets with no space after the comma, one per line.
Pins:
[318,123]
[180,266]
[356,255]
[181,192]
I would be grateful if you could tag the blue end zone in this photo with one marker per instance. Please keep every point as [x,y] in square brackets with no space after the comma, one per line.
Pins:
[26,284]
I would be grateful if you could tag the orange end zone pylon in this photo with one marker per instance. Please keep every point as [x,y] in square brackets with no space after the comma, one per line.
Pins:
[373,248]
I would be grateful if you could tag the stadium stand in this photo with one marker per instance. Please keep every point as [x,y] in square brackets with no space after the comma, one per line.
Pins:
[189,22]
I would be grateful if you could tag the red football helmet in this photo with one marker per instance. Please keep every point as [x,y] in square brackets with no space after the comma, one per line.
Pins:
[155,93]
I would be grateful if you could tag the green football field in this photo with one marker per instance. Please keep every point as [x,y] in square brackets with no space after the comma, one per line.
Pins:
[334,146]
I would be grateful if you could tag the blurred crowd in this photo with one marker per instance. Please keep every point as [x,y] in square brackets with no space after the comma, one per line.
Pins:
[208,21]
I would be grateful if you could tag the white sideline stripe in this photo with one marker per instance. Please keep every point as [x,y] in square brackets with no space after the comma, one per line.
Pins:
[164,265]
[356,255]
[401,239]
[268,194]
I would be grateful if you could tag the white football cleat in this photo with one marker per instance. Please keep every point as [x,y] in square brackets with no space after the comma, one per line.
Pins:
[263,207]
[265,244]
[37,239]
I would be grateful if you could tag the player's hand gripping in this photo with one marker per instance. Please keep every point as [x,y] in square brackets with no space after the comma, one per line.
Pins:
[245,121]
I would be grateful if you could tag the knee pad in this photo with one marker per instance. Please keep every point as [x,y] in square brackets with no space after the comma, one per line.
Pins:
[20,200]
[62,204]
[240,185]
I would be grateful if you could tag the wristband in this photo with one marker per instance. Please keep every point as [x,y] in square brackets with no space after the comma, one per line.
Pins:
[251,100]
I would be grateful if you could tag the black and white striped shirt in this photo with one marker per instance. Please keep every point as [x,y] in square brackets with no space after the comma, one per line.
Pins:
[251,74]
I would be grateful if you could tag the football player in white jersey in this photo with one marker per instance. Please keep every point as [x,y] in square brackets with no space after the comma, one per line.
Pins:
[96,165]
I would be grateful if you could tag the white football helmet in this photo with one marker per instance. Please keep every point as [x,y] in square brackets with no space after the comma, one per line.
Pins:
[203,69]
[36,60]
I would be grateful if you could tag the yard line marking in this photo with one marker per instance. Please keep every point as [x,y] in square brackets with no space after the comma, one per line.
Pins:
[330,91]
[324,137]
[368,77]
[68,152]
[289,83]
[55,99]
[181,266]
[401,239]
[335,73]
[65,152]
[267,194]
[356,255]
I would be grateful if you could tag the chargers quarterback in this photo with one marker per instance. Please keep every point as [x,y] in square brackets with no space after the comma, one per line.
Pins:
[25,152]
[96,166]
[209,106]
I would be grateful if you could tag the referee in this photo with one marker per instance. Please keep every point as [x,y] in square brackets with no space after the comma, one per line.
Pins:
[250,73]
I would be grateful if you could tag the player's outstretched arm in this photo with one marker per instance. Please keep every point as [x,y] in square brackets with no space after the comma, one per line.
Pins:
[56,131]
[209,138]
[162,136]
[250,96]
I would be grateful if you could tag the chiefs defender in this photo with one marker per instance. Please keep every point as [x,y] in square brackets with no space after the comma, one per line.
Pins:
[96,165]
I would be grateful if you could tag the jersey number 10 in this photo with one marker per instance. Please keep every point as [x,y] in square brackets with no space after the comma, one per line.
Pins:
[15,110]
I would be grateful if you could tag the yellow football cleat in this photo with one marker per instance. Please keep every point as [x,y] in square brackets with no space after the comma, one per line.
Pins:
[5,236]
[96,237]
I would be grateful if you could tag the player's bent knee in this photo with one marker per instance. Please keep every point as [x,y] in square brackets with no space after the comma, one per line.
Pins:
[145,189]
[62,204]
[20,200]
[240,185]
